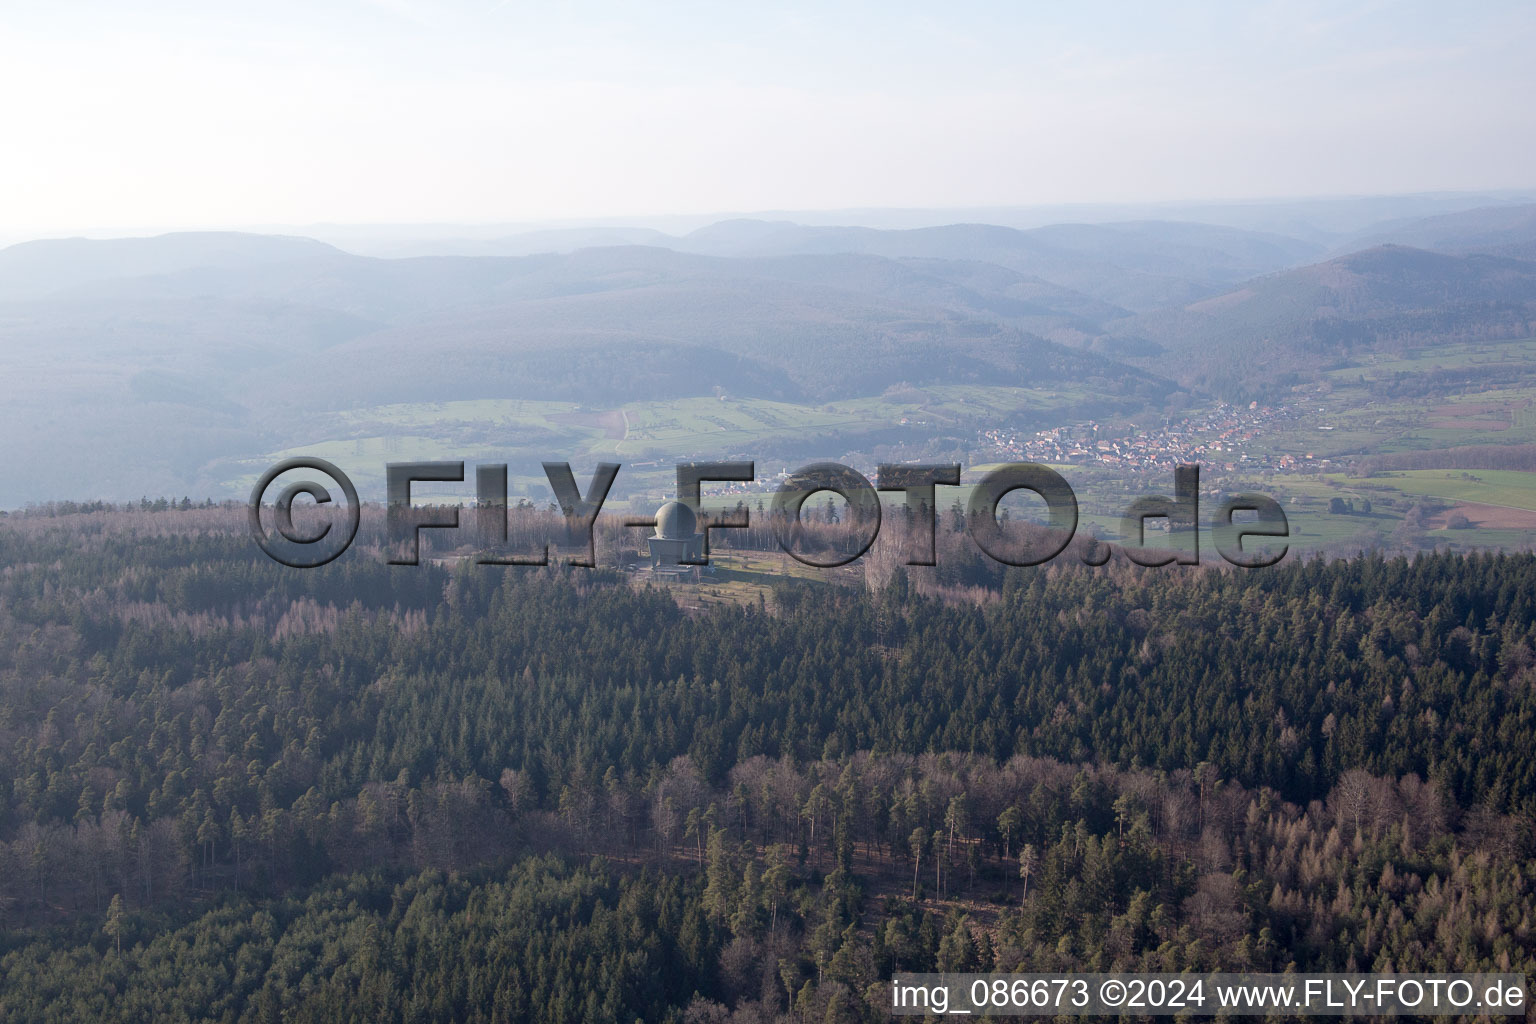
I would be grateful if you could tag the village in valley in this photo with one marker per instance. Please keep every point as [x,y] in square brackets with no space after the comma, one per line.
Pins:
[1225,438]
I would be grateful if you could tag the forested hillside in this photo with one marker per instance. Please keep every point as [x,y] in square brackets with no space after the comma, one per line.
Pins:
[1377,301]
[244,792]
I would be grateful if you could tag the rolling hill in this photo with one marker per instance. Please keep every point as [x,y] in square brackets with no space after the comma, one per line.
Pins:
[46,267]
[752,336]
[1508,230]
[1136,264]
[811,326]
[119,383]
[1140,266]
[1385,298]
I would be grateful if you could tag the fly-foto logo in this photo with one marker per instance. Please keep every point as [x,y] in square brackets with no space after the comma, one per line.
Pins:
[273,527]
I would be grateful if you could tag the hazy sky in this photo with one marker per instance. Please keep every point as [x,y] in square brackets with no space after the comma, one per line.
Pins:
[215,114]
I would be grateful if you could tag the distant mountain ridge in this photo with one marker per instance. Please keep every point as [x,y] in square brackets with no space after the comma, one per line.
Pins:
[112,348]
[40,268]
[1141,265]
[1494,230]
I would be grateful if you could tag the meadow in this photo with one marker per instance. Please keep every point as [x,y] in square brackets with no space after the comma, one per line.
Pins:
[1455,395]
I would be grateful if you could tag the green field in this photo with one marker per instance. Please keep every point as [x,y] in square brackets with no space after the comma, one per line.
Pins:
[1509,488]
[649,437]
[695,425]
[1470,355]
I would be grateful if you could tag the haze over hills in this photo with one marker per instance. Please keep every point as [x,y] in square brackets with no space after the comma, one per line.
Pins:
[1384,299]
[1498,230]
[1140,265]
[757,337]
[148,365]
[45,267]
[152,384]
[832,324]
[1326,221]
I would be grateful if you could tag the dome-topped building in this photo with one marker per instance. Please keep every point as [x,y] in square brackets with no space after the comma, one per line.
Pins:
[676,521]
[677,541]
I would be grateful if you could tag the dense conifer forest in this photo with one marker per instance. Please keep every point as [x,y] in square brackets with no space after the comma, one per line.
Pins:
[242,792]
